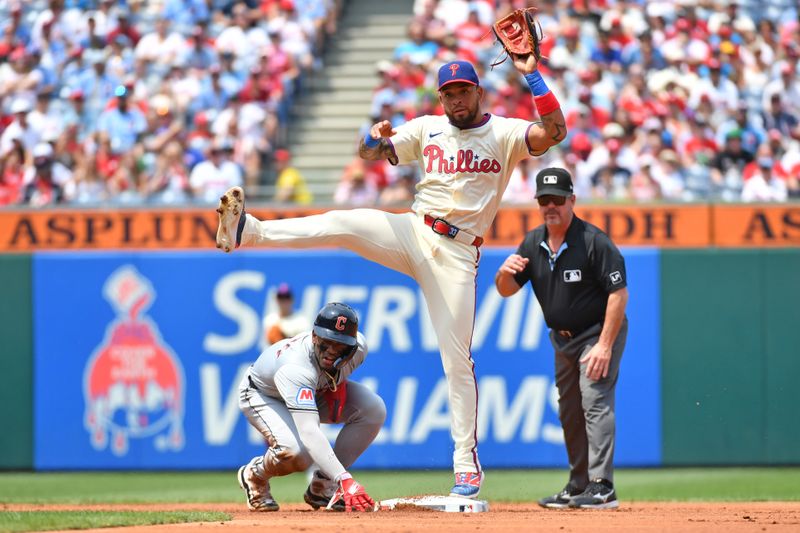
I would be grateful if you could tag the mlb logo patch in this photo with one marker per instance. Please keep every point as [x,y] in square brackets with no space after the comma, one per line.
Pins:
[616,277]
[305,397]
[550,179]
[572,276]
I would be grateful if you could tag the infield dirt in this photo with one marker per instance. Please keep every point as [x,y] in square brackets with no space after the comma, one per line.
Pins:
[727,517]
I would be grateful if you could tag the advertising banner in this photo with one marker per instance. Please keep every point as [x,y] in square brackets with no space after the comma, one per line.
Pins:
[138,357]
[662,225]
[756,226]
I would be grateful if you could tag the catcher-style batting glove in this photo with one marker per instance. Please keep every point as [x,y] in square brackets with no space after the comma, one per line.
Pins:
[354,496]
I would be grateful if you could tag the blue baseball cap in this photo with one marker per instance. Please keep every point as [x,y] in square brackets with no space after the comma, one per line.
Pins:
[457,71]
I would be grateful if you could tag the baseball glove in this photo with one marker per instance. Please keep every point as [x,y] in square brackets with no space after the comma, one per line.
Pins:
[520,34]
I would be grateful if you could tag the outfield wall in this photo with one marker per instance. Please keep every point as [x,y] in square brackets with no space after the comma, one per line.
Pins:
[704,380]
[16,363]
[731,356]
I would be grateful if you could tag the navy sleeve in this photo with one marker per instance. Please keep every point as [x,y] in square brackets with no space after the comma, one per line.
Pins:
[608,264]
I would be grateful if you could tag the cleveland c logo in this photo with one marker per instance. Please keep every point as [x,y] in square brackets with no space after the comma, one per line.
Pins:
[453,69]
[340,322]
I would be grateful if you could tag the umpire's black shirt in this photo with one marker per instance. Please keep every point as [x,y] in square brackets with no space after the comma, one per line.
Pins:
[573,284]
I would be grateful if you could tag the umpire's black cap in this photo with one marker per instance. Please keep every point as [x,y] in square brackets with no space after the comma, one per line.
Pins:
[555,181]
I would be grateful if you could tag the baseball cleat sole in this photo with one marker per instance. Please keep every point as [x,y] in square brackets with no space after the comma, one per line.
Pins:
[230,209]
[265,505]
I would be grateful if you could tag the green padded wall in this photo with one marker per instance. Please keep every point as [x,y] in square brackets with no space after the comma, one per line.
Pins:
[731,342]
[16,363]
[782,349]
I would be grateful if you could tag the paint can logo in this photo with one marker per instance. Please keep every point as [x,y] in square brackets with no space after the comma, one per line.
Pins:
[133,382]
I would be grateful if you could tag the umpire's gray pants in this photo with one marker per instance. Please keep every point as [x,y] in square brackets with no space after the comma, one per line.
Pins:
[586,407]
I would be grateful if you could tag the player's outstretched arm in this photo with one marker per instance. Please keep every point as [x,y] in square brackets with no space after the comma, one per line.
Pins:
[553,128]
[374,145]
[316,443]
[314,440]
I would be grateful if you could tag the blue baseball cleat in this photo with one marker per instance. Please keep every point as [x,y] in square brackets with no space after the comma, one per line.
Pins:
[468,484]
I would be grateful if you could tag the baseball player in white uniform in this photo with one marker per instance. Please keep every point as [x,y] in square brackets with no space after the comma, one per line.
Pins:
[467,158]
[293,386]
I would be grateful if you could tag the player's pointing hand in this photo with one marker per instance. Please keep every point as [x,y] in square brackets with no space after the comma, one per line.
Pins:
[382,129]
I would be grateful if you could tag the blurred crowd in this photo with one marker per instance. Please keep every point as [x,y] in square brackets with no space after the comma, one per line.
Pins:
[686,100]
[174,101]
[160,101]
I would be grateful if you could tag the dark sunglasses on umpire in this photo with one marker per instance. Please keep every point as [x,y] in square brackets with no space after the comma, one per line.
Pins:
[546,199]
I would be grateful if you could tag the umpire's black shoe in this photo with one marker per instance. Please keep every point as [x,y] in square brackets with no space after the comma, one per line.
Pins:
[562,499]
[316,501]
[599,494]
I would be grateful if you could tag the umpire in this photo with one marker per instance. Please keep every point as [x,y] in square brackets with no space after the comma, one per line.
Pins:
[578,276]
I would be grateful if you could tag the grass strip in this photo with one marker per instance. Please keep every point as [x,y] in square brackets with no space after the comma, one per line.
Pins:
[13,521]
[662,484]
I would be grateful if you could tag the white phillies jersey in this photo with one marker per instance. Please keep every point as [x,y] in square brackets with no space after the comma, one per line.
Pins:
[465,170]
[288,370]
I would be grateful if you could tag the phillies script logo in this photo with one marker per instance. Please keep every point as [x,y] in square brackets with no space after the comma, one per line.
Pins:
[465,161]
[133,383]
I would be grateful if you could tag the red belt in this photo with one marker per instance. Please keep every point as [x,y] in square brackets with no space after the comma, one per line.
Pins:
[442,227]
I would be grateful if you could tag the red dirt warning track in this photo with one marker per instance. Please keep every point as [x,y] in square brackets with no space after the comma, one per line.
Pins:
[631,517]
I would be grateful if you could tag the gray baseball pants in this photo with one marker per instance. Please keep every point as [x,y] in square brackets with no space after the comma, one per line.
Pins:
[586,407]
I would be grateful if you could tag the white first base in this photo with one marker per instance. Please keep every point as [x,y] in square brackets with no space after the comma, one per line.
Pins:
[447,504]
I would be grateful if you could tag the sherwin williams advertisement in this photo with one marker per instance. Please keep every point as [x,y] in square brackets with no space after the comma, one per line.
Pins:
[138,357]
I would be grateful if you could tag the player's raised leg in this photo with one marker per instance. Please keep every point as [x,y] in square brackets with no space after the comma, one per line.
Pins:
[384,238]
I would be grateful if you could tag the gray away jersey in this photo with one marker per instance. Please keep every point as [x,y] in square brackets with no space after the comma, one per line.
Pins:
[288,370]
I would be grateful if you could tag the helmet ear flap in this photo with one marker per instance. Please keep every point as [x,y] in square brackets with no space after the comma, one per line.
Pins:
[351,351]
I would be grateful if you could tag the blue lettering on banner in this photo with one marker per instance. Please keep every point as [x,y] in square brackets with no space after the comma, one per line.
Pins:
[202,324]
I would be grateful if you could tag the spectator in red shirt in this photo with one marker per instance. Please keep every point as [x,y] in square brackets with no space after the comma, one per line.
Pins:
[12,170]
[124,27]
[597,117]
[700,139]
[261,87]
[616,33]
[472,34]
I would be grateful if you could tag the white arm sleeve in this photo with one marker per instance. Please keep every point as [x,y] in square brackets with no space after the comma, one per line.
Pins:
[314,440]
